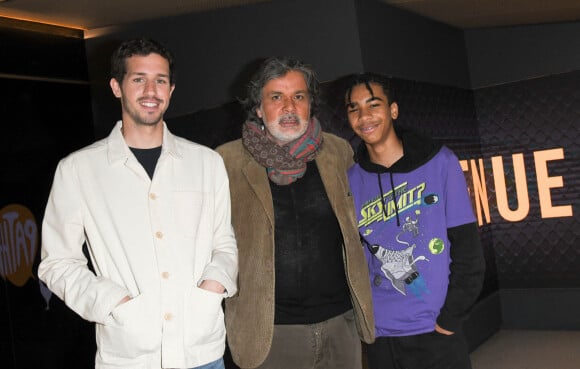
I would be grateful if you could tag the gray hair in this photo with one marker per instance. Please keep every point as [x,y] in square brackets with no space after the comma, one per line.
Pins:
[273,68]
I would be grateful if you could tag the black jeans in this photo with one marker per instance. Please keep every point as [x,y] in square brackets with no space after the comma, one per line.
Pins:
[423,351]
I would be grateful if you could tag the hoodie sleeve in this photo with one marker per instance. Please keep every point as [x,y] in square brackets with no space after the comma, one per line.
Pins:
[466,276]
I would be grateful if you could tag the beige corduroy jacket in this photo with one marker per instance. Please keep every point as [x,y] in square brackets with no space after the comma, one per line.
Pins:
[250,314]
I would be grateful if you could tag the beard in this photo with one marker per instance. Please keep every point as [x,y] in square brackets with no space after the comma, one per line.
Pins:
[283,136]
[144,118]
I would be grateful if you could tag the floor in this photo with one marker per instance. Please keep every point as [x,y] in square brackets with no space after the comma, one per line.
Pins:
[521,349]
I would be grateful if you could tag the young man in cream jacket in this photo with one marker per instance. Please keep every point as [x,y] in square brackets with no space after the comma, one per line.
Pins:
[154,212]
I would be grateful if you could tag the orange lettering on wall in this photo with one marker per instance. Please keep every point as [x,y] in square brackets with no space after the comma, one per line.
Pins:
[545,183]
[521,188]
[480,192]
[18,243]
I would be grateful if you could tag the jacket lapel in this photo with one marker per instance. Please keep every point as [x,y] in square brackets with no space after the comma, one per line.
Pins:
[256,176]
[327,166]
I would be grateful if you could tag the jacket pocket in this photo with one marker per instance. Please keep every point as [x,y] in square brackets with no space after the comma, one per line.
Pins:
[188,208]
[133,329]
[204,317]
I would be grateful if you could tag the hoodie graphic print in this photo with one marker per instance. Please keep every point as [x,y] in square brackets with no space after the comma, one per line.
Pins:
[403,214]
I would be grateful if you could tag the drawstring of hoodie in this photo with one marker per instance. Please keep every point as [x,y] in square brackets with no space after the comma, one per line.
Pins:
[383,201]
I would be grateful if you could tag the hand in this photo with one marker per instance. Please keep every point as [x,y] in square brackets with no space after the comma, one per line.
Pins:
[440,330]
[212,286]
[124,300]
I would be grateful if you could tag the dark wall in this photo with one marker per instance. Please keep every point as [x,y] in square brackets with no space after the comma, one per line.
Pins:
[510,54]
[525,82]
[528,118]
[35,54]
[45,109]
[217,50]
[401,44]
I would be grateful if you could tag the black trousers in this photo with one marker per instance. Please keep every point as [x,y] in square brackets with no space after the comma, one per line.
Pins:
[423,351]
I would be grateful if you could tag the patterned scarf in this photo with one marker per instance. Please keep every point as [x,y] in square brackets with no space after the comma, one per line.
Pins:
[284,164]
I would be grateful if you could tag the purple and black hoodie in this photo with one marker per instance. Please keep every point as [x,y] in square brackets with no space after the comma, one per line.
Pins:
[420,238]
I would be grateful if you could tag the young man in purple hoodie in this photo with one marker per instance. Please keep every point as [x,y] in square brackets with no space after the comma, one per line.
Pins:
[417,226]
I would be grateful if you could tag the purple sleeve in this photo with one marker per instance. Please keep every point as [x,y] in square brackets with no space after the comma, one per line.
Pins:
[458,208]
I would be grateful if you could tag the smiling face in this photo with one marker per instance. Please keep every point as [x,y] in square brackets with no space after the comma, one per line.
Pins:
[370,114]
[285,107]
[145,90]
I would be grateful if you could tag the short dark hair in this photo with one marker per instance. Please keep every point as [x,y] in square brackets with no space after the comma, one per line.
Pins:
[141,47]
[276,67]
[366,79]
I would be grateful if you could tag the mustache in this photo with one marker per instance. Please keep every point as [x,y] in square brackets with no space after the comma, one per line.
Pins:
[289,117]
[156,99]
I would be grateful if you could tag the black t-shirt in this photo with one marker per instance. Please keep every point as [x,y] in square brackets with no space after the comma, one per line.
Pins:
[148,158]
[310,279]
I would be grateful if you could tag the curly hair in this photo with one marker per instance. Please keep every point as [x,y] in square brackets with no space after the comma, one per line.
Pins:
[141,47]
[366,79]
[273,68]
